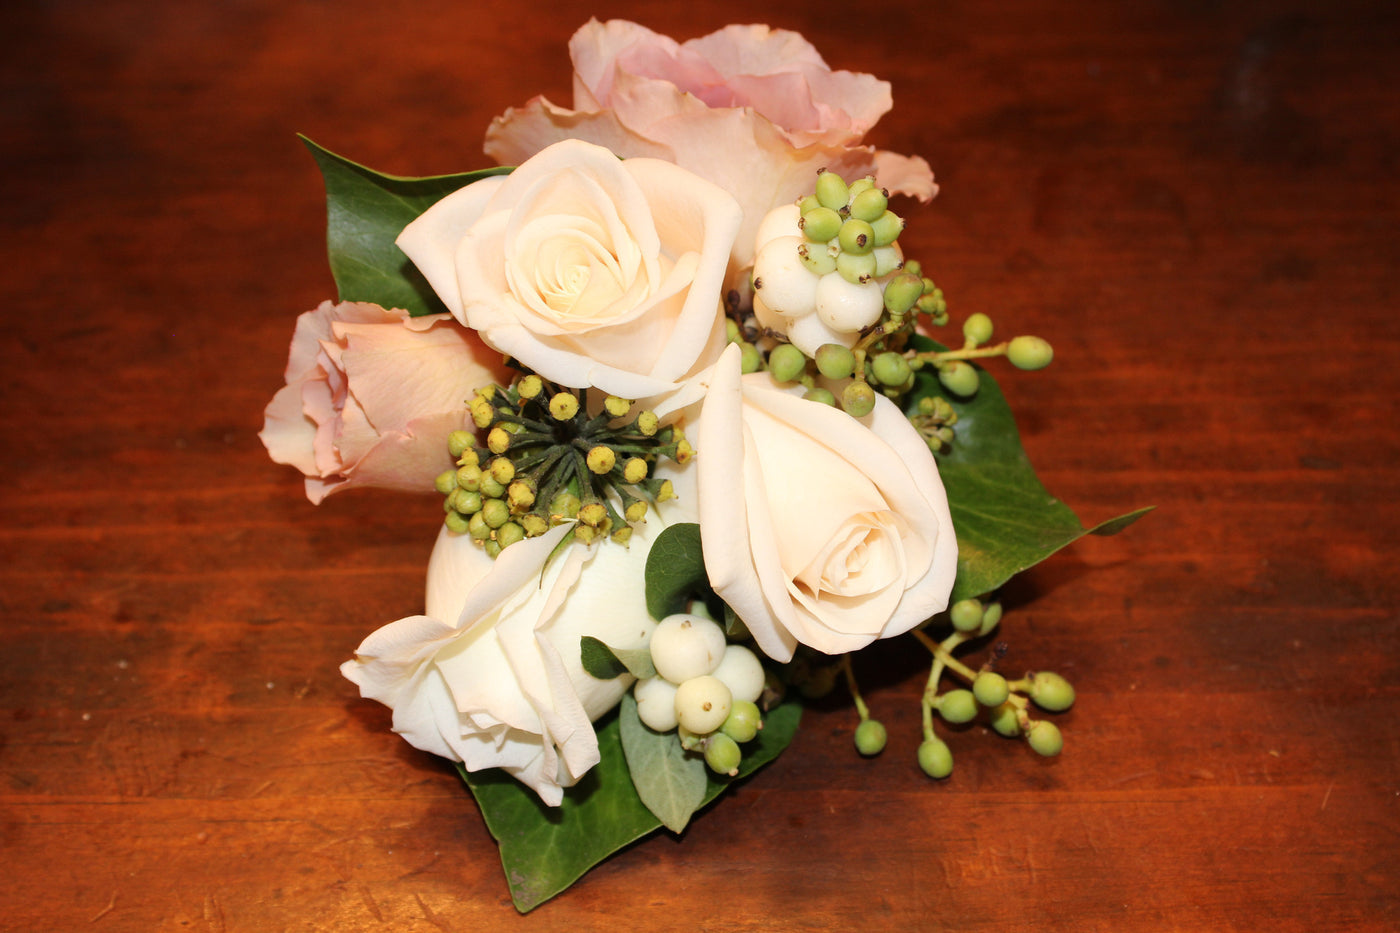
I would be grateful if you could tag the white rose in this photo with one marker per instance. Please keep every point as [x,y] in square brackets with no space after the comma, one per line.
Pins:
[589,270]
[491,675]
[818,528]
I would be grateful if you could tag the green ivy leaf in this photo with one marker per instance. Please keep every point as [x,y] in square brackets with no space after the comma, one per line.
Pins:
[546,849]
[1005,520]
[669,780]
[605,663]
[675,569]
[365,212]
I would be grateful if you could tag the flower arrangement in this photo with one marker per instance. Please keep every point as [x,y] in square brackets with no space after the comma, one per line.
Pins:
[672,376]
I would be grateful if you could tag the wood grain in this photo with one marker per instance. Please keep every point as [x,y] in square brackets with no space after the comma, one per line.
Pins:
[1195,202]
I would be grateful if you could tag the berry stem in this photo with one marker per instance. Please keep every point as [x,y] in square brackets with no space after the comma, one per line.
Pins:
[966,353]
[861,708]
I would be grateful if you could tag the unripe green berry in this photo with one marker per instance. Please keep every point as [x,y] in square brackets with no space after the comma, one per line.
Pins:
[858,399]
[477,527]
[890,368]
[509,534]
[722,754]
[819,260]
[495,513]
[869,204]
[935,758]
[445,482]
[902,292]
[1051,692]
[744,721]
[820,225]
[809,203]
[787,363]
[871,737]
[978,328]
[864,183]
[466,501]
[888,226]
[966,615]
[857,237]
[835,361]
[490,487]
[990,689]
[750,360]
[1029,353]
[456,522]
[855,267]
[818,394]
[1005,720]
[991,616]
[1045,738]
[959,377]
[958,706]
[831,190]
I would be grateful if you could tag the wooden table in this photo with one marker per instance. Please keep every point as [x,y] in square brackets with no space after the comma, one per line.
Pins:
[1195,202]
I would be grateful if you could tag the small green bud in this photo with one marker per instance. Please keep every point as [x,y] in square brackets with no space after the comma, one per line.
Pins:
[978,328]
[509,533]
[469,477]
[459,442]
[492,547]
[820,225]
[990,689]
[593,514]
[563,406]
[495,513]
[1029,353]
[1045,738]
[482,412]
[959,377]
[871,737]
[477,527]
[835,361]
[521,495]
[648,423]
[445,482]
[722,754]
[787,363]
[818,394]
[744,721]
[966,615]
[731,331]
[466,501]
[831,190]
[914,267]
[890,368]
[869,204]
[935,758]
[958,706]
[490,487]
[456,522]
[534,524]
[565,505]
[1051,692]
[857,237]
[858,399]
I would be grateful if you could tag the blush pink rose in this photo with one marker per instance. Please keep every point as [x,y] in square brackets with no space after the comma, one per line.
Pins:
[754,110]
[371,396]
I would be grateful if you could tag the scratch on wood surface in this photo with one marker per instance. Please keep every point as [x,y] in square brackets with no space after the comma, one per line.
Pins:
[214,914]
[429,915]
[370,904]
[111,902]
[1327,796]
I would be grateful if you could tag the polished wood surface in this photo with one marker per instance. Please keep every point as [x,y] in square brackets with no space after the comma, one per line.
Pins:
[1196,202]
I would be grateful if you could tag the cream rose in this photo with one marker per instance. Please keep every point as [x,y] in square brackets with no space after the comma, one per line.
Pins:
[753,109]
[589,270]
[371,396]
[491,675]
[818,528]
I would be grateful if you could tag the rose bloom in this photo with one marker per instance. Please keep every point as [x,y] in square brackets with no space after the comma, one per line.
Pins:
[491,675]
[589,270]
[371,396]
[818,528]
[753,109]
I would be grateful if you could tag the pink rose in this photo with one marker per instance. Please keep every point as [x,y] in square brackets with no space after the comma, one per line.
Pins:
[371,396]
[754,110]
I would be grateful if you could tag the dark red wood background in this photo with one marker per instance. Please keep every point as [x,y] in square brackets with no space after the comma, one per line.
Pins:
[1196,202]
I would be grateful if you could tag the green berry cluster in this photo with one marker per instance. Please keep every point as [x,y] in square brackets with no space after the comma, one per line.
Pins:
[548,460]
[849,229]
